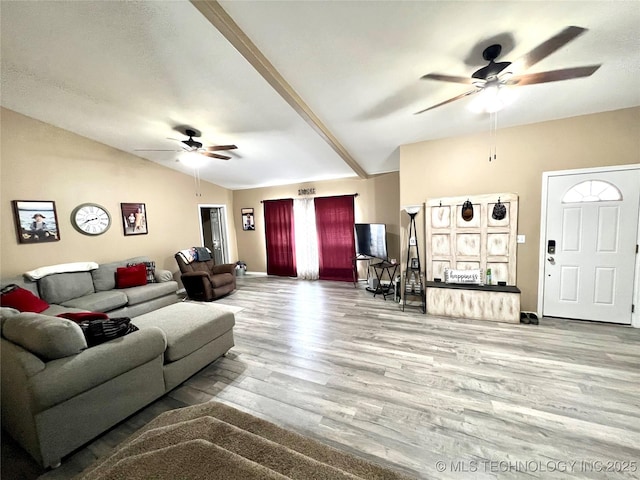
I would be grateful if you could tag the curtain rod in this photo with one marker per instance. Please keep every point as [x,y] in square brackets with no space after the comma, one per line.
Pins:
[346,195]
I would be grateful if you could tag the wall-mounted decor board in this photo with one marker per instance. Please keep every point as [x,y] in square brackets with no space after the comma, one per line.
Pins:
[486,240]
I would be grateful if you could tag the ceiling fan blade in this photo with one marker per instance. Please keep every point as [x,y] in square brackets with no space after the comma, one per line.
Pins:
[214,148]
[215,155]
[548,47]
[447,78]
[553,75]
[465,94]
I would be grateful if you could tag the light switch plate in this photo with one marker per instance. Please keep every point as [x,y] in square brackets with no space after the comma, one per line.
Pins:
[520,239]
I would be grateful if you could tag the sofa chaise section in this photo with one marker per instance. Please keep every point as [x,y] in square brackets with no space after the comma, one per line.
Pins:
[57,394]
[196,335]
[55,405]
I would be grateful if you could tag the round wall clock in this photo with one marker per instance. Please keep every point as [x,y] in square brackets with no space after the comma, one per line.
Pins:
[91,219]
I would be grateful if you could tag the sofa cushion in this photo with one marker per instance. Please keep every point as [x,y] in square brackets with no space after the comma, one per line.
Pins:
[163,275]
[6,312]
[104,277]
[137,295]
[134,276]
[47,337]
[65,378]
[61,287]
[99,301]
[23,282]
[22,300]
[187,326]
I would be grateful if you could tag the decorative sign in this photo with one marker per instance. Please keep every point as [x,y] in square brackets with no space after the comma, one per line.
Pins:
[306,191]
[473,277]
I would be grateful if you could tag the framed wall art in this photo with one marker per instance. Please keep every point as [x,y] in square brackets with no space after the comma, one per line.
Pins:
[247,219]
[134,218]
[36,221]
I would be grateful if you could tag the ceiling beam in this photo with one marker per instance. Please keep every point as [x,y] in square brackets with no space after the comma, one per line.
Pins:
[220,19]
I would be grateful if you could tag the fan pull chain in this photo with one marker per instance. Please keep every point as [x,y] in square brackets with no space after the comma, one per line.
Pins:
[493,136]
[196,177]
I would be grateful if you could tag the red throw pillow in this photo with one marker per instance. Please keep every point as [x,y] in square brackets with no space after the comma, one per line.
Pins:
[131,276]
[23,300]
[79,317]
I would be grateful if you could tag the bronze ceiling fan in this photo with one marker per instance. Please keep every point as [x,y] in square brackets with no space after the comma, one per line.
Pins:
[492,74]
[191,145]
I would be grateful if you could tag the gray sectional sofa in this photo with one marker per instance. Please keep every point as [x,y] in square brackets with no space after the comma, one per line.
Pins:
[57,394]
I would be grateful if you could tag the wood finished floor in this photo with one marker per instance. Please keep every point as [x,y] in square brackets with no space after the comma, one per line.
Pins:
[408,390]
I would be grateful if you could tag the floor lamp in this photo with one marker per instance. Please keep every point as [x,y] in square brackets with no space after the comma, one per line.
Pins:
[415,289]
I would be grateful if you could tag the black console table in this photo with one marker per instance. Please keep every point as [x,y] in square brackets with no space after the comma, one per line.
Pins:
[380,269]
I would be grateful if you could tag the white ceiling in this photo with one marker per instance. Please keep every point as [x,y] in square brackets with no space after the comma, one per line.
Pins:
[127,73]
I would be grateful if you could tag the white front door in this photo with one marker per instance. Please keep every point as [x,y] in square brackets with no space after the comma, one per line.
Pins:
[590,241]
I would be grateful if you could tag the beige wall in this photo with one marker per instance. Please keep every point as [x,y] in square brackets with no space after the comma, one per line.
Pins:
[459,166]
[42,162]
[377,202]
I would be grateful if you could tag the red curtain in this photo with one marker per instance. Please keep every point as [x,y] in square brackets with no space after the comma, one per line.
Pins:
[280,237]
[336,244]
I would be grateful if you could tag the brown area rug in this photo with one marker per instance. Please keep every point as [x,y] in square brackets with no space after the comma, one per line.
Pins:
[215,441]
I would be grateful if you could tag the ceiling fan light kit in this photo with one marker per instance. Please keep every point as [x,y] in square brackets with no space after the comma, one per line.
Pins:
[192,159]
[492,99]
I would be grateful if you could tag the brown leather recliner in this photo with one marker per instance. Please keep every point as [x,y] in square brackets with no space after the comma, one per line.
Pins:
[206,281]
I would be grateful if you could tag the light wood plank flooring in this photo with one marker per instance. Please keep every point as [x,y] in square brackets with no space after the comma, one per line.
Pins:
[434,397]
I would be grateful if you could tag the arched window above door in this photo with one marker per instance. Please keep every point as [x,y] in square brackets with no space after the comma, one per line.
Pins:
[592,191]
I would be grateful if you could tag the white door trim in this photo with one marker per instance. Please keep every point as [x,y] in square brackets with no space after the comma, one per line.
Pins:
[225,225]
[635,317]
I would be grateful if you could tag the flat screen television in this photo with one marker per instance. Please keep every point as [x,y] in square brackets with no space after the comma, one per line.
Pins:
[371,240]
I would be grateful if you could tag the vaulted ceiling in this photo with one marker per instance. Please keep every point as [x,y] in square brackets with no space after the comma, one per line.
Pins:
[306,90]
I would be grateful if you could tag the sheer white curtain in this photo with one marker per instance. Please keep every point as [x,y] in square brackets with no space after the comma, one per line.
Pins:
[307,262]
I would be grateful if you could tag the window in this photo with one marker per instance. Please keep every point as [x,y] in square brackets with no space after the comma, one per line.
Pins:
[592,191]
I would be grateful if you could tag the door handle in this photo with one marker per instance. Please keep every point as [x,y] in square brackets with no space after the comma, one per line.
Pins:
[551,260]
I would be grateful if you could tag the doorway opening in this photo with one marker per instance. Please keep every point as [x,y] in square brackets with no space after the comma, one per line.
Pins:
[213,231]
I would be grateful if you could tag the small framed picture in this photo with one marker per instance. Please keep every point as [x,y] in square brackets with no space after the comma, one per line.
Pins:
[247,219]
[415,263]
[412,241]
[134,218]
[36,221]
